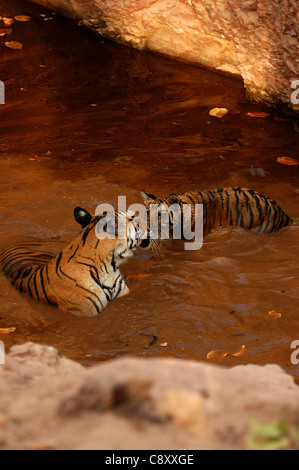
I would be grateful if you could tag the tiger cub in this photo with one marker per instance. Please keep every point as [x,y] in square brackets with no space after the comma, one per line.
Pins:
[84,277]
[235,207]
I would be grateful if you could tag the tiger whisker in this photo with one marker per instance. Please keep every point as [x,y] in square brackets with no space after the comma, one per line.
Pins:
[159,249]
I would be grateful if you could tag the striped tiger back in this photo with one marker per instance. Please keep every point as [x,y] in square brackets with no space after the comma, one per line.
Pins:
[82,278]
[235,207]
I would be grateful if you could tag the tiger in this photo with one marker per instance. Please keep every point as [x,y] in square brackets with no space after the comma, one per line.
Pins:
[235,207]
[84,277]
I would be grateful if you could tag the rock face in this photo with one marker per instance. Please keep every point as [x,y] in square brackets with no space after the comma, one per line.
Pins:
[50,402]
[256,39]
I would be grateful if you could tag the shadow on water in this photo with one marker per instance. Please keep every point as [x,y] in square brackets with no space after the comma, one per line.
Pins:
[87,120]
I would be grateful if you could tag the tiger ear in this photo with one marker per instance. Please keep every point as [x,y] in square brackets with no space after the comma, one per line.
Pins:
[147,197]
[82,216]
[173,199]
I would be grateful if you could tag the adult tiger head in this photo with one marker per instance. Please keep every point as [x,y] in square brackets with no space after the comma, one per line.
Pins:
[110,225]
[163,215]
[85,276]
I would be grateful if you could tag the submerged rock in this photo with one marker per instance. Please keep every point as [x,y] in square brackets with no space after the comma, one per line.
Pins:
[256,39]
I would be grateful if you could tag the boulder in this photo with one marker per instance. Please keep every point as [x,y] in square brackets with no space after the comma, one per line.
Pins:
[256,39]
[49,402]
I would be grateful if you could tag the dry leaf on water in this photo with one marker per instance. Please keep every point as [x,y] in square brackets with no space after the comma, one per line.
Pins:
[287,161]
[8,21]
[7,331]
[218,112]
[241,352]
[5,32]
[280,119]
[136,277]
[274,314]
[258,115]
[14,45]
[23,18]
[217,354]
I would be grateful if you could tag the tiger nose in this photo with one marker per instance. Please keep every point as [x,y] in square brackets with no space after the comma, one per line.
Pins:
[145,243]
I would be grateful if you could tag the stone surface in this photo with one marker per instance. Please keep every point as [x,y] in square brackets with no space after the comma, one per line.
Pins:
[256,39]
[49,402]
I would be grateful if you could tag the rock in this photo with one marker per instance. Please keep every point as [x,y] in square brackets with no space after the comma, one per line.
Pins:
[184,408]
[45,360]
[108,392]
[49,402]
[256,39]
[255,172]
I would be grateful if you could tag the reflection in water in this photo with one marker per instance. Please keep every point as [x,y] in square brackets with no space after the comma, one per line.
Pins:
[86,121]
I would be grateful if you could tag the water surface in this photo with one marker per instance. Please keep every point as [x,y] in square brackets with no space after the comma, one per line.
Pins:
[86,121]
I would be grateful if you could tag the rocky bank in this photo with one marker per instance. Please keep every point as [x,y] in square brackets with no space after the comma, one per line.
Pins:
[256,39]
[50,402]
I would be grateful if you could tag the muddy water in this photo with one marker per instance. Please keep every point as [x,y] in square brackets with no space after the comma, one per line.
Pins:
[86,121]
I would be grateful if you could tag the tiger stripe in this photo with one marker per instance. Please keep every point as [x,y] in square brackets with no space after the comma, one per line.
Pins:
[235,207]
[82,278]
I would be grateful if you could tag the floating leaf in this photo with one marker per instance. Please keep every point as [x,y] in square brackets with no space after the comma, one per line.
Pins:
[7,331]
[218,112]
[258,115]
[241,352]
[14,45]
[137,277]
[280,119]
[8,21]
[22,18]
[217,354]
[220,354]
[274,314]
[5,32]
[287,161]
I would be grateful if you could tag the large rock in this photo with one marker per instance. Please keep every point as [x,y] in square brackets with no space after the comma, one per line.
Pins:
[256,39]
[49,402]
